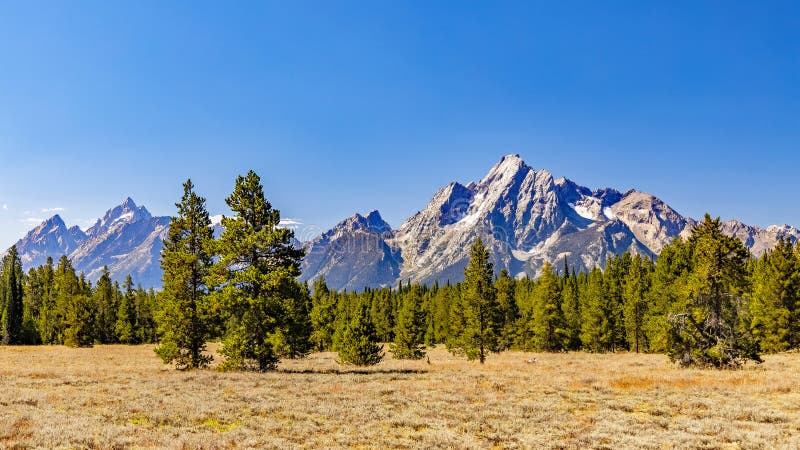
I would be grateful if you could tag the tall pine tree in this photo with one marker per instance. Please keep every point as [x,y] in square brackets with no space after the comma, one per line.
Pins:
[545,321]
[183,313]
[256,281]
[126,314]
[710,332]
[773,298]
[409,331]
[12,294]
[508,308]
[635,303]
[476,317]
[595,329]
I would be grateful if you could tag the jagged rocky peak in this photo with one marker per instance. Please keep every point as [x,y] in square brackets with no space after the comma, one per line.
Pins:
[757,239]
[505,170]
[50,238]
[373,222]
[125,213]
[653,222]
[608,196]
[451,202]
[52,224]
[53,229]
[76,232]
[570,191]
[376,222]
[784,231]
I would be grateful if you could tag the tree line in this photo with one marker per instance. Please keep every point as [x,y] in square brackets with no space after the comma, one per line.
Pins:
[705,301]
[52,304]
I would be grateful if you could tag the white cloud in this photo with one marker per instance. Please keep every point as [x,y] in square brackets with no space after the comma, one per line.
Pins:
[291,222]
[5,205]
[216,220]
[48,210]
[32,220]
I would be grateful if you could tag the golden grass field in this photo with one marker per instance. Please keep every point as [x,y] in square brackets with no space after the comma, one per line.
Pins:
[123,397]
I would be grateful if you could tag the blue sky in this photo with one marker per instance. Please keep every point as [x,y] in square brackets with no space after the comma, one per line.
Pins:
[346,107]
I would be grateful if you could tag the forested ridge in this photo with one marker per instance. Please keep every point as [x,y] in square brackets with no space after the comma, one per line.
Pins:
[704,301]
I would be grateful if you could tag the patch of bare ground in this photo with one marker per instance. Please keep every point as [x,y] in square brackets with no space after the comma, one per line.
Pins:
[123,397]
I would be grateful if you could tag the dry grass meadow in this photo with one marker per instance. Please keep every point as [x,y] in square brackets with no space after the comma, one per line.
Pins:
[123,397]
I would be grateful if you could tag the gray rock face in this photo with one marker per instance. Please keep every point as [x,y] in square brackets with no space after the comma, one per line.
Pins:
[128,239]
[50,238]
[354,254]
[524,216]
[759,240]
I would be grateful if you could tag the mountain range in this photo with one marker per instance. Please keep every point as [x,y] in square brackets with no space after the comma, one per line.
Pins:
[127,239]
[526,217]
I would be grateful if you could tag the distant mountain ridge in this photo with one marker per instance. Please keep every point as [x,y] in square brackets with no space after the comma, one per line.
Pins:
[525,217]
[128,239]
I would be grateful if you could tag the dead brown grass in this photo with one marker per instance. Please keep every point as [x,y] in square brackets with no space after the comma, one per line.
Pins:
[123,397]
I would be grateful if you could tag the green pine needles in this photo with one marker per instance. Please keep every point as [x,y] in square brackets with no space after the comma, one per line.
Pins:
[476,319]
[357,340]
[409,332]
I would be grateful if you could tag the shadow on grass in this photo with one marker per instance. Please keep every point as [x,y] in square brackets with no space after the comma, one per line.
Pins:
[353,371]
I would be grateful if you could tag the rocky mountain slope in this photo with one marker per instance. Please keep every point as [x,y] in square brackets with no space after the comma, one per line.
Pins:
[525,216]
[127,240]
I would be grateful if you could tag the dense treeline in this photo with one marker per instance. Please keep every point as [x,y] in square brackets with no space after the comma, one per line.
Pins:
[52,304]
[704,301]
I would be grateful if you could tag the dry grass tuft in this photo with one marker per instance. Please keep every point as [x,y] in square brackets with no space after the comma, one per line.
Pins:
[123,397]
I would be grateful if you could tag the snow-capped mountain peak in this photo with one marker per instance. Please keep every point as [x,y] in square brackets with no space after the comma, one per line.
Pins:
[525,217]
[125,213]
[127,240]
[509,167]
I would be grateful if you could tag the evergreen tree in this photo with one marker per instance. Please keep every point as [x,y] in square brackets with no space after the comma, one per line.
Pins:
[773,298]
[709,332]
[357,340]
[545,322]
[294,340]
[255,279]
[106,309]
[126,315]
[323,316]
[145,301]
[635,303]
[409,332]
[614,279]
[183,313]
[571,310]
[53,317]
[475,319]
[38,301]
[668,292]
[79,321]
[12,294]
[508,309]
[443,302]
[382,313]
[595,330]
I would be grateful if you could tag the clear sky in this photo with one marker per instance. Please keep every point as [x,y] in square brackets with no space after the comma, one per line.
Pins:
[345,107]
